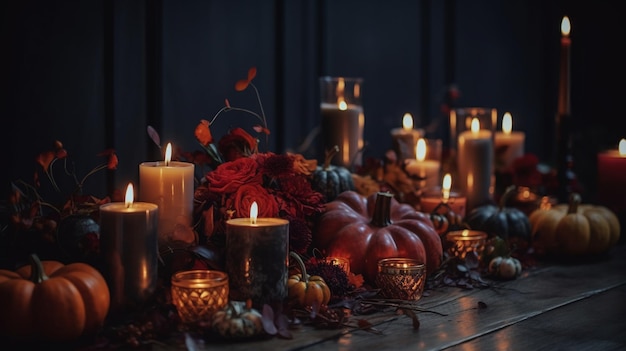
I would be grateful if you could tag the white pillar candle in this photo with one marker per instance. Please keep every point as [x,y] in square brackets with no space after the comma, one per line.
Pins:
[426,170]
[405,139]
[475,165]
[129,248]
[170,185]
[509,145]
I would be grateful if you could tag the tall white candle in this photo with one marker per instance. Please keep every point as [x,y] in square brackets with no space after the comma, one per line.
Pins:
[509,144]
[129,247]
[475,165]
[170,185]
[426,170]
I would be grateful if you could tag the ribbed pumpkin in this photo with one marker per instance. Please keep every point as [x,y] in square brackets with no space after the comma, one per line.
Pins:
[332,180]
[508,223]
[50,301]
[574,228]
[368,229]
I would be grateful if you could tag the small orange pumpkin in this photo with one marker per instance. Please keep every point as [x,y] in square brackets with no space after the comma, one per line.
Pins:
[50,301]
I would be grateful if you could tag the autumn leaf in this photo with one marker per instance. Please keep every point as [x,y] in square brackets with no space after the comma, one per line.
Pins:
[260,129]
[203,133]
[45,159]
[242,84]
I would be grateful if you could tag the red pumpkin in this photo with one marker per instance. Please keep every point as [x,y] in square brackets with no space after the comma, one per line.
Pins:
[368,229]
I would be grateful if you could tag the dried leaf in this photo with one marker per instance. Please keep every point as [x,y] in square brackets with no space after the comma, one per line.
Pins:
[260,129]
[154,135]
[203,133]
[45,159]
[241,85]
[283,326]
[367,326]
[113,162]
[415,320]
[227,103]
[251,73]
[268,320]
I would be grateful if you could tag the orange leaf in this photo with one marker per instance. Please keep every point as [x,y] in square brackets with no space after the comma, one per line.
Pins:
[251,73]
[203,133]
[241,85]
[113,161]
[260,129]
[45,158]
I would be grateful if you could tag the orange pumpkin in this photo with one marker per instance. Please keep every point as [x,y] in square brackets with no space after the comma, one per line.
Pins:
[50,301]
[368,229]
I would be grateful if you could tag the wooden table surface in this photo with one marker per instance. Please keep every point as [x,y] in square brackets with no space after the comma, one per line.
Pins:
[552,306]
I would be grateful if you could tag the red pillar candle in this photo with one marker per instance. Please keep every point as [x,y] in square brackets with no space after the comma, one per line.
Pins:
[612,178]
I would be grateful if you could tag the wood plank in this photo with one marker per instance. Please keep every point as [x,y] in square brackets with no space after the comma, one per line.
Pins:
[548,293]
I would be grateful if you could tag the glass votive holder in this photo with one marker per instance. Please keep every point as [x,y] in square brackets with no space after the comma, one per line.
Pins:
[401,278]
[197,294]
[342,262]
[462,242]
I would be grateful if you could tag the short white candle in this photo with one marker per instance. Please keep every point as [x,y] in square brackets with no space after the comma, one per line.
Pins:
[475,165]
[404,139]
[170,185]
[509,145]
[427,170]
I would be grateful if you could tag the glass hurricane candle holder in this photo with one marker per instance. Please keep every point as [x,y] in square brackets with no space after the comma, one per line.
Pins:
[197,294]
[401,278]
[462,242]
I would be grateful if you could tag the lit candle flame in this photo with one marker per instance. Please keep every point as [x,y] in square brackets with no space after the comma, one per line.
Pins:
[407,121]
[475,125]
[168,154]
[342,105]
[129,196]
[566,27]
[507,123]
[465,232]
[622,147]
[447,184]
[420,150]
[254,212]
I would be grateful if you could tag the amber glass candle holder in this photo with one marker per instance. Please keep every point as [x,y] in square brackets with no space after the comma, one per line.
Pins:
[197,294]
[462,242]
[401,278]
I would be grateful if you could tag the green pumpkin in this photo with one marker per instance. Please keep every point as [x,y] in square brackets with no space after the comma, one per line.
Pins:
[332,180]
[508,223]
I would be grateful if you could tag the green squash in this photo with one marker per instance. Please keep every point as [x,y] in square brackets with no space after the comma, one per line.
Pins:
[332,180]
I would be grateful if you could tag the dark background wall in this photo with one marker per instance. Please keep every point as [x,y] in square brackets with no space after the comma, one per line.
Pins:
[94,74]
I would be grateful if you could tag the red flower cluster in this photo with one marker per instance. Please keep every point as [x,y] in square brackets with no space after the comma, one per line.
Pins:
[279,184]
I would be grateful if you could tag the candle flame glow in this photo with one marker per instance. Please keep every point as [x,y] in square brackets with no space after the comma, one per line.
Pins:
[507,123]
[129,196]
[168,154]
[254,212]
[566,27]
[342,105]
[465,232]
[420,150]
[622,147]
[475,125]
[447,184]
[407,121]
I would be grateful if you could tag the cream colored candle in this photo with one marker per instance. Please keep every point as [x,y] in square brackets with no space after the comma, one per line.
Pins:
[426,170]
[405,139]
[475,165]
[509,145]
[170,185]
[434,197]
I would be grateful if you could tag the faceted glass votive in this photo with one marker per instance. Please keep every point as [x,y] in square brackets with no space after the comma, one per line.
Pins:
[197,294]
[461,242]
[401,278]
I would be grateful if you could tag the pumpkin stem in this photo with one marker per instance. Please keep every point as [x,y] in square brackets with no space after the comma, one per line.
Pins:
[305,277]
[382,209]
[330,153]
[574,201]
[507,195]
[37,273]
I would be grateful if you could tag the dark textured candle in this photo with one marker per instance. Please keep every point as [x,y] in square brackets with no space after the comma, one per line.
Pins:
[257,259]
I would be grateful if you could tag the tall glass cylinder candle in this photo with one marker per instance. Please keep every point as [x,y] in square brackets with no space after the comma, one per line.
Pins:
[129,248]
[257,259]
[342,118]
[170,185]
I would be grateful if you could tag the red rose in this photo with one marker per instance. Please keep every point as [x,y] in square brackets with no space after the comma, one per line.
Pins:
[237,144]
[249,193]
[231,175]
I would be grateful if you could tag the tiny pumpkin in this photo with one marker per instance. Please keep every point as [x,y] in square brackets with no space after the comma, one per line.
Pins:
[332,180]
[305,290]
[505,267]
[75,295]
[238,320]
